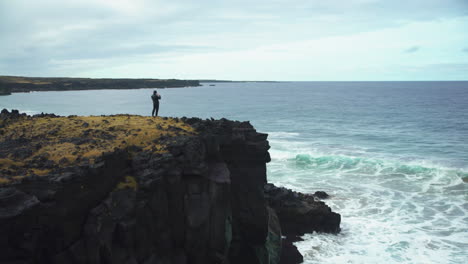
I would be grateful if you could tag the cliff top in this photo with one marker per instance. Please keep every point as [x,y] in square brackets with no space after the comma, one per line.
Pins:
[40,144]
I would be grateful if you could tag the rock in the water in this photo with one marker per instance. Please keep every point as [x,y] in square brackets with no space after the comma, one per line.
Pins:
[321,195]
[289,252]
[301,213]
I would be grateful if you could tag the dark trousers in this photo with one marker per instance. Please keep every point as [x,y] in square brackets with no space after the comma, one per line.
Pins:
[155,109]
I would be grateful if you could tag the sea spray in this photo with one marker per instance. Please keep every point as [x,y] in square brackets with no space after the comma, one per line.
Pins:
[393,210]
[392,155]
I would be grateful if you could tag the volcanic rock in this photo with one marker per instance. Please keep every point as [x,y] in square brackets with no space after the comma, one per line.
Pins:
[149,190]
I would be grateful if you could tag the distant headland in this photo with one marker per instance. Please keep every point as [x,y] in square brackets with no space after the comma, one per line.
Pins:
[18,84]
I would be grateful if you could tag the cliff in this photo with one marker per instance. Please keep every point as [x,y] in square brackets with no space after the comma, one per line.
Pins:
[27,84]
[132,189]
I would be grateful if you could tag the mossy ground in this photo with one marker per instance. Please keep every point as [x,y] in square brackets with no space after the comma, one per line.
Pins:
[65,141]
[129,182]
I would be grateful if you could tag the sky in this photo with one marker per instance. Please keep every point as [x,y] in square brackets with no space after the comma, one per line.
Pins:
[277,40]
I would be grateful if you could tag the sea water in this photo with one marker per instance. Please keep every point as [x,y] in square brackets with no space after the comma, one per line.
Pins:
[392,155]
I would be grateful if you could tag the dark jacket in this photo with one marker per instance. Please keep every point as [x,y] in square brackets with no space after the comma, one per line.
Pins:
[156,98]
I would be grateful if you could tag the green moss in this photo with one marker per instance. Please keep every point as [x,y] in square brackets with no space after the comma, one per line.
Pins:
[7,163]
[64,140]
[4,181]
[129,182]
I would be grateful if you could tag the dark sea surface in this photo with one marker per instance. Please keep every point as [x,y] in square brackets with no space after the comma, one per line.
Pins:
[393,155]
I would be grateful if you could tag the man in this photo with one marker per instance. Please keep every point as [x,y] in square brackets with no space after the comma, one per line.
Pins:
[155,98]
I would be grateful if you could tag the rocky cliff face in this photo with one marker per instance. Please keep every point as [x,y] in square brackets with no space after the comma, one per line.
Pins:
[130,189]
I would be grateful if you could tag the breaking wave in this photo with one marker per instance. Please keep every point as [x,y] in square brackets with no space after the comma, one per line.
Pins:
[392,210]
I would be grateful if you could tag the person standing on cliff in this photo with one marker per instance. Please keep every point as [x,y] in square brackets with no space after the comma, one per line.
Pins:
[156,97]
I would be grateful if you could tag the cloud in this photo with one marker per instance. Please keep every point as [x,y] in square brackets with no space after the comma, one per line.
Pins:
[456,67]
[74,37]
[412,49]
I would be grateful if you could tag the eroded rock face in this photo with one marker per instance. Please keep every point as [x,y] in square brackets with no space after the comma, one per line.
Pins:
[200,200]
[299,214]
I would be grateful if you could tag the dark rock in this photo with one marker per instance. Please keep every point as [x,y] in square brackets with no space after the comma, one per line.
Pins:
[49,164]
[202,201]
[45,115]
[289,252]
[79,140]
[14,202]
[22,153]
[134,148]
[301,213]
[53,132]
[321,195]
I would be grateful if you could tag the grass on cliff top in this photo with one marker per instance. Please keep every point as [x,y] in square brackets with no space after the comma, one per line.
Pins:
[65,140]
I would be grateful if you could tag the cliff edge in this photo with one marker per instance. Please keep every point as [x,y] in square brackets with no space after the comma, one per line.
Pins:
[132,189]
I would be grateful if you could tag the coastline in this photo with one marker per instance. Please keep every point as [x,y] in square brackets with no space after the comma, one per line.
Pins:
[5,91]
[177,190]
[18,84]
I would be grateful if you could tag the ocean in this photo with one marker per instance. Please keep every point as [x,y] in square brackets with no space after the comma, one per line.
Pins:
[392,155]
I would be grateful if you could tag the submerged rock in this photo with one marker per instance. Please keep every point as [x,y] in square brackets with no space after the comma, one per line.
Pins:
[132,189]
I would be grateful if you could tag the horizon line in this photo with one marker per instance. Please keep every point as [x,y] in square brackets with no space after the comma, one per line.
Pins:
[225,80]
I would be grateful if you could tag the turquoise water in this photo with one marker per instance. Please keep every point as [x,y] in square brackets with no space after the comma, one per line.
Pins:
[393,155]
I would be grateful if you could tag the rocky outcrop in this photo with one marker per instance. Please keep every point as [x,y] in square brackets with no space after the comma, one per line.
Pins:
[196,196]
[27,84]
[299,214]
[302,213]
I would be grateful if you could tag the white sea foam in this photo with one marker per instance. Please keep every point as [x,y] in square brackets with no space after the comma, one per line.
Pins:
[25,111]
[282,134]
[29,112]
[393,210]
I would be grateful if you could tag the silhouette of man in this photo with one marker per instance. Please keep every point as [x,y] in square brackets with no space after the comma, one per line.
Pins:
[155,98]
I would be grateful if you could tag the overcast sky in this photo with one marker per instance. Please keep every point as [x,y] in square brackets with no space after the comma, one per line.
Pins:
[236,39]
